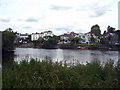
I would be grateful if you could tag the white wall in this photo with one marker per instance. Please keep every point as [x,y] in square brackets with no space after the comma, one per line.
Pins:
[35,36]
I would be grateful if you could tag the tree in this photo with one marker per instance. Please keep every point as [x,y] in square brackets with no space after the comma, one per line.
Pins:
[93,40]
[51,42]
[104,33]
[36,42]
[8,39]
[110,29]
[95,29]
[104,40]
[28,38]
[75,40]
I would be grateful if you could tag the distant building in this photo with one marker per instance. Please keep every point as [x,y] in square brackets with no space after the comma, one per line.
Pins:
[112,35]
[64,38]
[36,36]
[21,38]
[113,38]
[86,37]
[48,33]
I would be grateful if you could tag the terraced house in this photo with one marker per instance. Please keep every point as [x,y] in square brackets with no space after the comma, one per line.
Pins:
[85,37]
[36,36]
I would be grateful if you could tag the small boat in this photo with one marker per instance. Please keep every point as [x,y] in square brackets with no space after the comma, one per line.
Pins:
[81,48]
[36,46]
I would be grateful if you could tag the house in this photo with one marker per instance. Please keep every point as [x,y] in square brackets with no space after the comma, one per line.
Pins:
[48,33]
[85,37]
[64,38]
[118,34]
[21,38]
[112,35]
[113,38]
[35,36]
[92,35]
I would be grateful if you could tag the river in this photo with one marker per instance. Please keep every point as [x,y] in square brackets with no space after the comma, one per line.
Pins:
[68,55]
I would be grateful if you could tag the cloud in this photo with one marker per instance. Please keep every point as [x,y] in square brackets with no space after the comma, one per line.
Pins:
[6,2]
[97,8]
[62,28]
[54,7]
[27,27]
[100,8]
[58,15]
[99,11]
[31,19]
[4,19]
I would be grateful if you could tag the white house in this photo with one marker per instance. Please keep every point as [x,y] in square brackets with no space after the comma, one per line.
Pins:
[24,36]
[21,38]
[64,38]
[89,34]
[35,36]
[86,37]
[48,33]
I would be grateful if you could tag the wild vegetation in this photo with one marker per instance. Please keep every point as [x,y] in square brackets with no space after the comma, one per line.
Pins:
[50,42]
[48,74]
[8,39]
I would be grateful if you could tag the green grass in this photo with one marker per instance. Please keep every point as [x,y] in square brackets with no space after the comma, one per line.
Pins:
[48,74]
[25,44]
[89,44]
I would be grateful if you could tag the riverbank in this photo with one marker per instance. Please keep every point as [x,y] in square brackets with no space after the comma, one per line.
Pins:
[48,74]
[68,46]
[25,45]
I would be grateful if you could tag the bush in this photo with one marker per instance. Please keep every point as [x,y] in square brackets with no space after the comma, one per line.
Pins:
[48,74]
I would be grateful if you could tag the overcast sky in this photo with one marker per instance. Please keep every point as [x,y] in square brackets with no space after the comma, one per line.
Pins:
[59,16]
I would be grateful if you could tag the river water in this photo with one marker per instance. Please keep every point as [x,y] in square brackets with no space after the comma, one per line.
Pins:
[81,56]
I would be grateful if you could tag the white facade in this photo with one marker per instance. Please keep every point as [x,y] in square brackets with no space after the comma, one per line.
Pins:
[35,36]
[85,36]
[24,36]
[21,38]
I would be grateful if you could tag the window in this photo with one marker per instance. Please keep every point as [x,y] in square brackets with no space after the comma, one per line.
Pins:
[83,36]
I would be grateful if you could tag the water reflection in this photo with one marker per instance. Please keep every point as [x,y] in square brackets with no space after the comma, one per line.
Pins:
[65,55]
[7,57]
[118,63]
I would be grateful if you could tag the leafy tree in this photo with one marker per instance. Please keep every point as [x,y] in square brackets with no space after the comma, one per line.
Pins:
[51,42]
[8,39]
[104,33]
[110,29]
[28,38]
[95,29]
[36,42]
[47,37]
[75,40]
[118,33]
[93,40]
[104,40]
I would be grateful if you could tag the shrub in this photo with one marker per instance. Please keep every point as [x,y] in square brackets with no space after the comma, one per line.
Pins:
[48,74]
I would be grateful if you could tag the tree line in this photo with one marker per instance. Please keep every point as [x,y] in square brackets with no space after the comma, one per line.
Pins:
[8,37]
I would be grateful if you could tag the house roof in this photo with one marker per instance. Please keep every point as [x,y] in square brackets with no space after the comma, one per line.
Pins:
[24,34]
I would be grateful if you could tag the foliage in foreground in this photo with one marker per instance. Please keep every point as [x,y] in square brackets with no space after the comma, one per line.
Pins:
[46,74]
[8,39]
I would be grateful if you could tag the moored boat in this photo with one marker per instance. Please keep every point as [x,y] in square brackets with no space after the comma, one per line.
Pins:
[81,48]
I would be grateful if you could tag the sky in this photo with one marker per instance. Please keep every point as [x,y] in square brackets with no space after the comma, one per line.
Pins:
[59,16]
